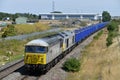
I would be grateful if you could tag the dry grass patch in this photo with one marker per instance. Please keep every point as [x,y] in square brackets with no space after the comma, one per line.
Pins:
[29,28]
[99,62]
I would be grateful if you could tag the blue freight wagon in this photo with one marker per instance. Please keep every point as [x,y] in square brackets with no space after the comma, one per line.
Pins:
[81,34]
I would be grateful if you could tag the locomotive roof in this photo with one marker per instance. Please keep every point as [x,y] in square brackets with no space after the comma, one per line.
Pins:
[66,33]
[47,41]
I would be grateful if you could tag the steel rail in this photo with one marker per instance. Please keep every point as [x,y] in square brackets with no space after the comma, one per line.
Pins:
[10,67]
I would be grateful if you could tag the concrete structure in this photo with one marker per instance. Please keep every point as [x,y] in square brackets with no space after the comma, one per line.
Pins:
[112,17]
[59,16]
[21,20]
[115,17]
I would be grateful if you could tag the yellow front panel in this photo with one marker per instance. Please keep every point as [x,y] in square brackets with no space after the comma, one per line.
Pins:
[35,58]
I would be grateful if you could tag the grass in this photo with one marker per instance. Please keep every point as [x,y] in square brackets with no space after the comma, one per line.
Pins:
[99,62]
[10,49]
[16,47]
[10,45]
[98,35]
[29,28]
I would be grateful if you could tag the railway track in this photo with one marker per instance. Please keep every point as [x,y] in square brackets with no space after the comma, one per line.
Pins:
[16,71]
[10,67]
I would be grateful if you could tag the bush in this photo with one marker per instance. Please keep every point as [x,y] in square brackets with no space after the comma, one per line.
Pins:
[72,64]
[109,41]
[112,26]
[9,31]
[112,32]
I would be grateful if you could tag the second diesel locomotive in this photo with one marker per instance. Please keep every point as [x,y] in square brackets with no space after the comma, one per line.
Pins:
[44,53]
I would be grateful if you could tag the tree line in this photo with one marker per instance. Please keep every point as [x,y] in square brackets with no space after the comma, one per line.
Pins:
[14,16]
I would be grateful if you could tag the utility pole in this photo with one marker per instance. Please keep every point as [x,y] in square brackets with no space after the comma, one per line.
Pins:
[53,6]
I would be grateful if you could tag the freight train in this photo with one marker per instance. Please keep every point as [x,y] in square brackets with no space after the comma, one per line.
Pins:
[45,52]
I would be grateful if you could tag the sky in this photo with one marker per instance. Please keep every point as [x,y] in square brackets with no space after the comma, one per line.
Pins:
[65,6]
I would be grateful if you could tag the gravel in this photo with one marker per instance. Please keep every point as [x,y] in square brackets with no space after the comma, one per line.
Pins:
[12,76]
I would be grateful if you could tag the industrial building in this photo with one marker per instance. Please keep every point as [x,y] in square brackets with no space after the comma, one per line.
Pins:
[21,20]
[61,16]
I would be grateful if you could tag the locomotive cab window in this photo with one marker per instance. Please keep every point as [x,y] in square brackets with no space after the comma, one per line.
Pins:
[36,49]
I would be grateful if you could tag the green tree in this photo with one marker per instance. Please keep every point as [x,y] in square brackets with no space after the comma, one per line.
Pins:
[106,16]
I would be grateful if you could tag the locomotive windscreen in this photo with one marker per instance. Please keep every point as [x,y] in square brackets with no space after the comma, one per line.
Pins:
[36,49]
